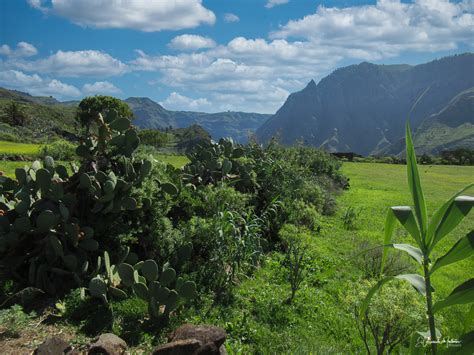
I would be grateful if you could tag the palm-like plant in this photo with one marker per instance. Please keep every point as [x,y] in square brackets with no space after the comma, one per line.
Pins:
[427,235]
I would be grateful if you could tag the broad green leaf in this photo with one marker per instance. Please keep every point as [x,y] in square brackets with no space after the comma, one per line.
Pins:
[455,213]
[469,321]
[416,344]
[414,252]
[389,226]
[467,344]
[438,216]
[417,281]
[405,216]
[463,249]
[462,294]
[414,182]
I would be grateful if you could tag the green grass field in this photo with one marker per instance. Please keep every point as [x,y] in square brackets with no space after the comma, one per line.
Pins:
[19,148]
[316,322]
[176,160]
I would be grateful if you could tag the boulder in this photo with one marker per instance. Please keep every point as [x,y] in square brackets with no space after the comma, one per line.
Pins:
[206,334]
[109,344]
[53,346]
[179,347]
[194,339]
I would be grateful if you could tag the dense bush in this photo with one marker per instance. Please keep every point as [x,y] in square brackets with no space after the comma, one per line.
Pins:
[59,150]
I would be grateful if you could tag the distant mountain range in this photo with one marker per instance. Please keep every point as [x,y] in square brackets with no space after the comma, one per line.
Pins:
[238,125]
[149,114]
[363,108]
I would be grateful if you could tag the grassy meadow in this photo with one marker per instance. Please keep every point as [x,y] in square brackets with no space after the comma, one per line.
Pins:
[15,148]
[259,319]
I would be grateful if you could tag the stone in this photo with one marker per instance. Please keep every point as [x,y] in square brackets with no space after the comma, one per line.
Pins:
[53,346]
[179,347]
[109,344]
[206,334]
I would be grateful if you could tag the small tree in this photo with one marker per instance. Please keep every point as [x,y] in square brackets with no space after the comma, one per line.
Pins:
[14,115]
[90,107]
[296,241]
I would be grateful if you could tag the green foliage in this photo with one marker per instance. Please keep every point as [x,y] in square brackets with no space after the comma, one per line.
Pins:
[14,115]
[388,324]
[90,107]
[427,235]
[13,320]
[296,243]
[60,213]
[58,150]
[154,138]
[349,218]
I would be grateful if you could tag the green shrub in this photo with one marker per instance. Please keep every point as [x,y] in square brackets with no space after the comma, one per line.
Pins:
[13,320]
[296,244]
[389,323]
[59,150]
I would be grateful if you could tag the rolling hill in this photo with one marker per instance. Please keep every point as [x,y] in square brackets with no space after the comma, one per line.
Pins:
[238,125]
[363,108]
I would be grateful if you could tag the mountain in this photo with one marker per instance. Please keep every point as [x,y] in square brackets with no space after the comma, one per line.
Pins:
[363,108]
[48,118]
[452,127]
[51,118]
[238,125]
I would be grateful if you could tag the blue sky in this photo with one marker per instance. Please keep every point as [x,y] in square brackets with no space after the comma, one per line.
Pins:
[215,55]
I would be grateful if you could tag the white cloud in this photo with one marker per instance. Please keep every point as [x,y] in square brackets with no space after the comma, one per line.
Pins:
[36,85]
[75,63]
[176,101]
[191,42]
[272,3]
[100,87]
[23,49]
[229,18]
[143,15]
[387,28]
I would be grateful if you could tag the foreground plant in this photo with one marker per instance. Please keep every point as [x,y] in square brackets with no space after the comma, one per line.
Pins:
[427,235]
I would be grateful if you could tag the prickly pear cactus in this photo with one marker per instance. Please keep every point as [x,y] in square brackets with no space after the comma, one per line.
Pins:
[221,161]
[48,217]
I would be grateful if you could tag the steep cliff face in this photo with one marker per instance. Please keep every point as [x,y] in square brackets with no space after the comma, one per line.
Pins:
[367,104]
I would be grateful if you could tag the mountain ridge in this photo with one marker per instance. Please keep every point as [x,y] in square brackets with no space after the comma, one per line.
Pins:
[367,104]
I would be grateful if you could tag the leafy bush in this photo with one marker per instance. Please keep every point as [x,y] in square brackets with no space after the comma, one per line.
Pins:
[388,324]
[13,320]
[349,218]
[296,243]
[59,150]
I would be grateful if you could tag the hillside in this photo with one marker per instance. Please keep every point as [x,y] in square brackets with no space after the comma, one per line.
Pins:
[238,125]
[363,108]
[452,127]
[47,118]
[51,117]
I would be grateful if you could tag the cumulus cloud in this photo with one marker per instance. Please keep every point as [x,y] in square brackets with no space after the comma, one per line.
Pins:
[229,18]
[23,49]
[74,64]
[142,15]
[273,3]
[36,85]
[176,101]
[100,87]
[191,42]
[387,28]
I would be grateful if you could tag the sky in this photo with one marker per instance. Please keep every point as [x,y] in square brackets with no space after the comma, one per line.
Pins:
[215,55]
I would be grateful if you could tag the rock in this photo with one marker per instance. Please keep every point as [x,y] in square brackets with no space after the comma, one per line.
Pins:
[179,347]
[109,344]
[53,346]
[204,333]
